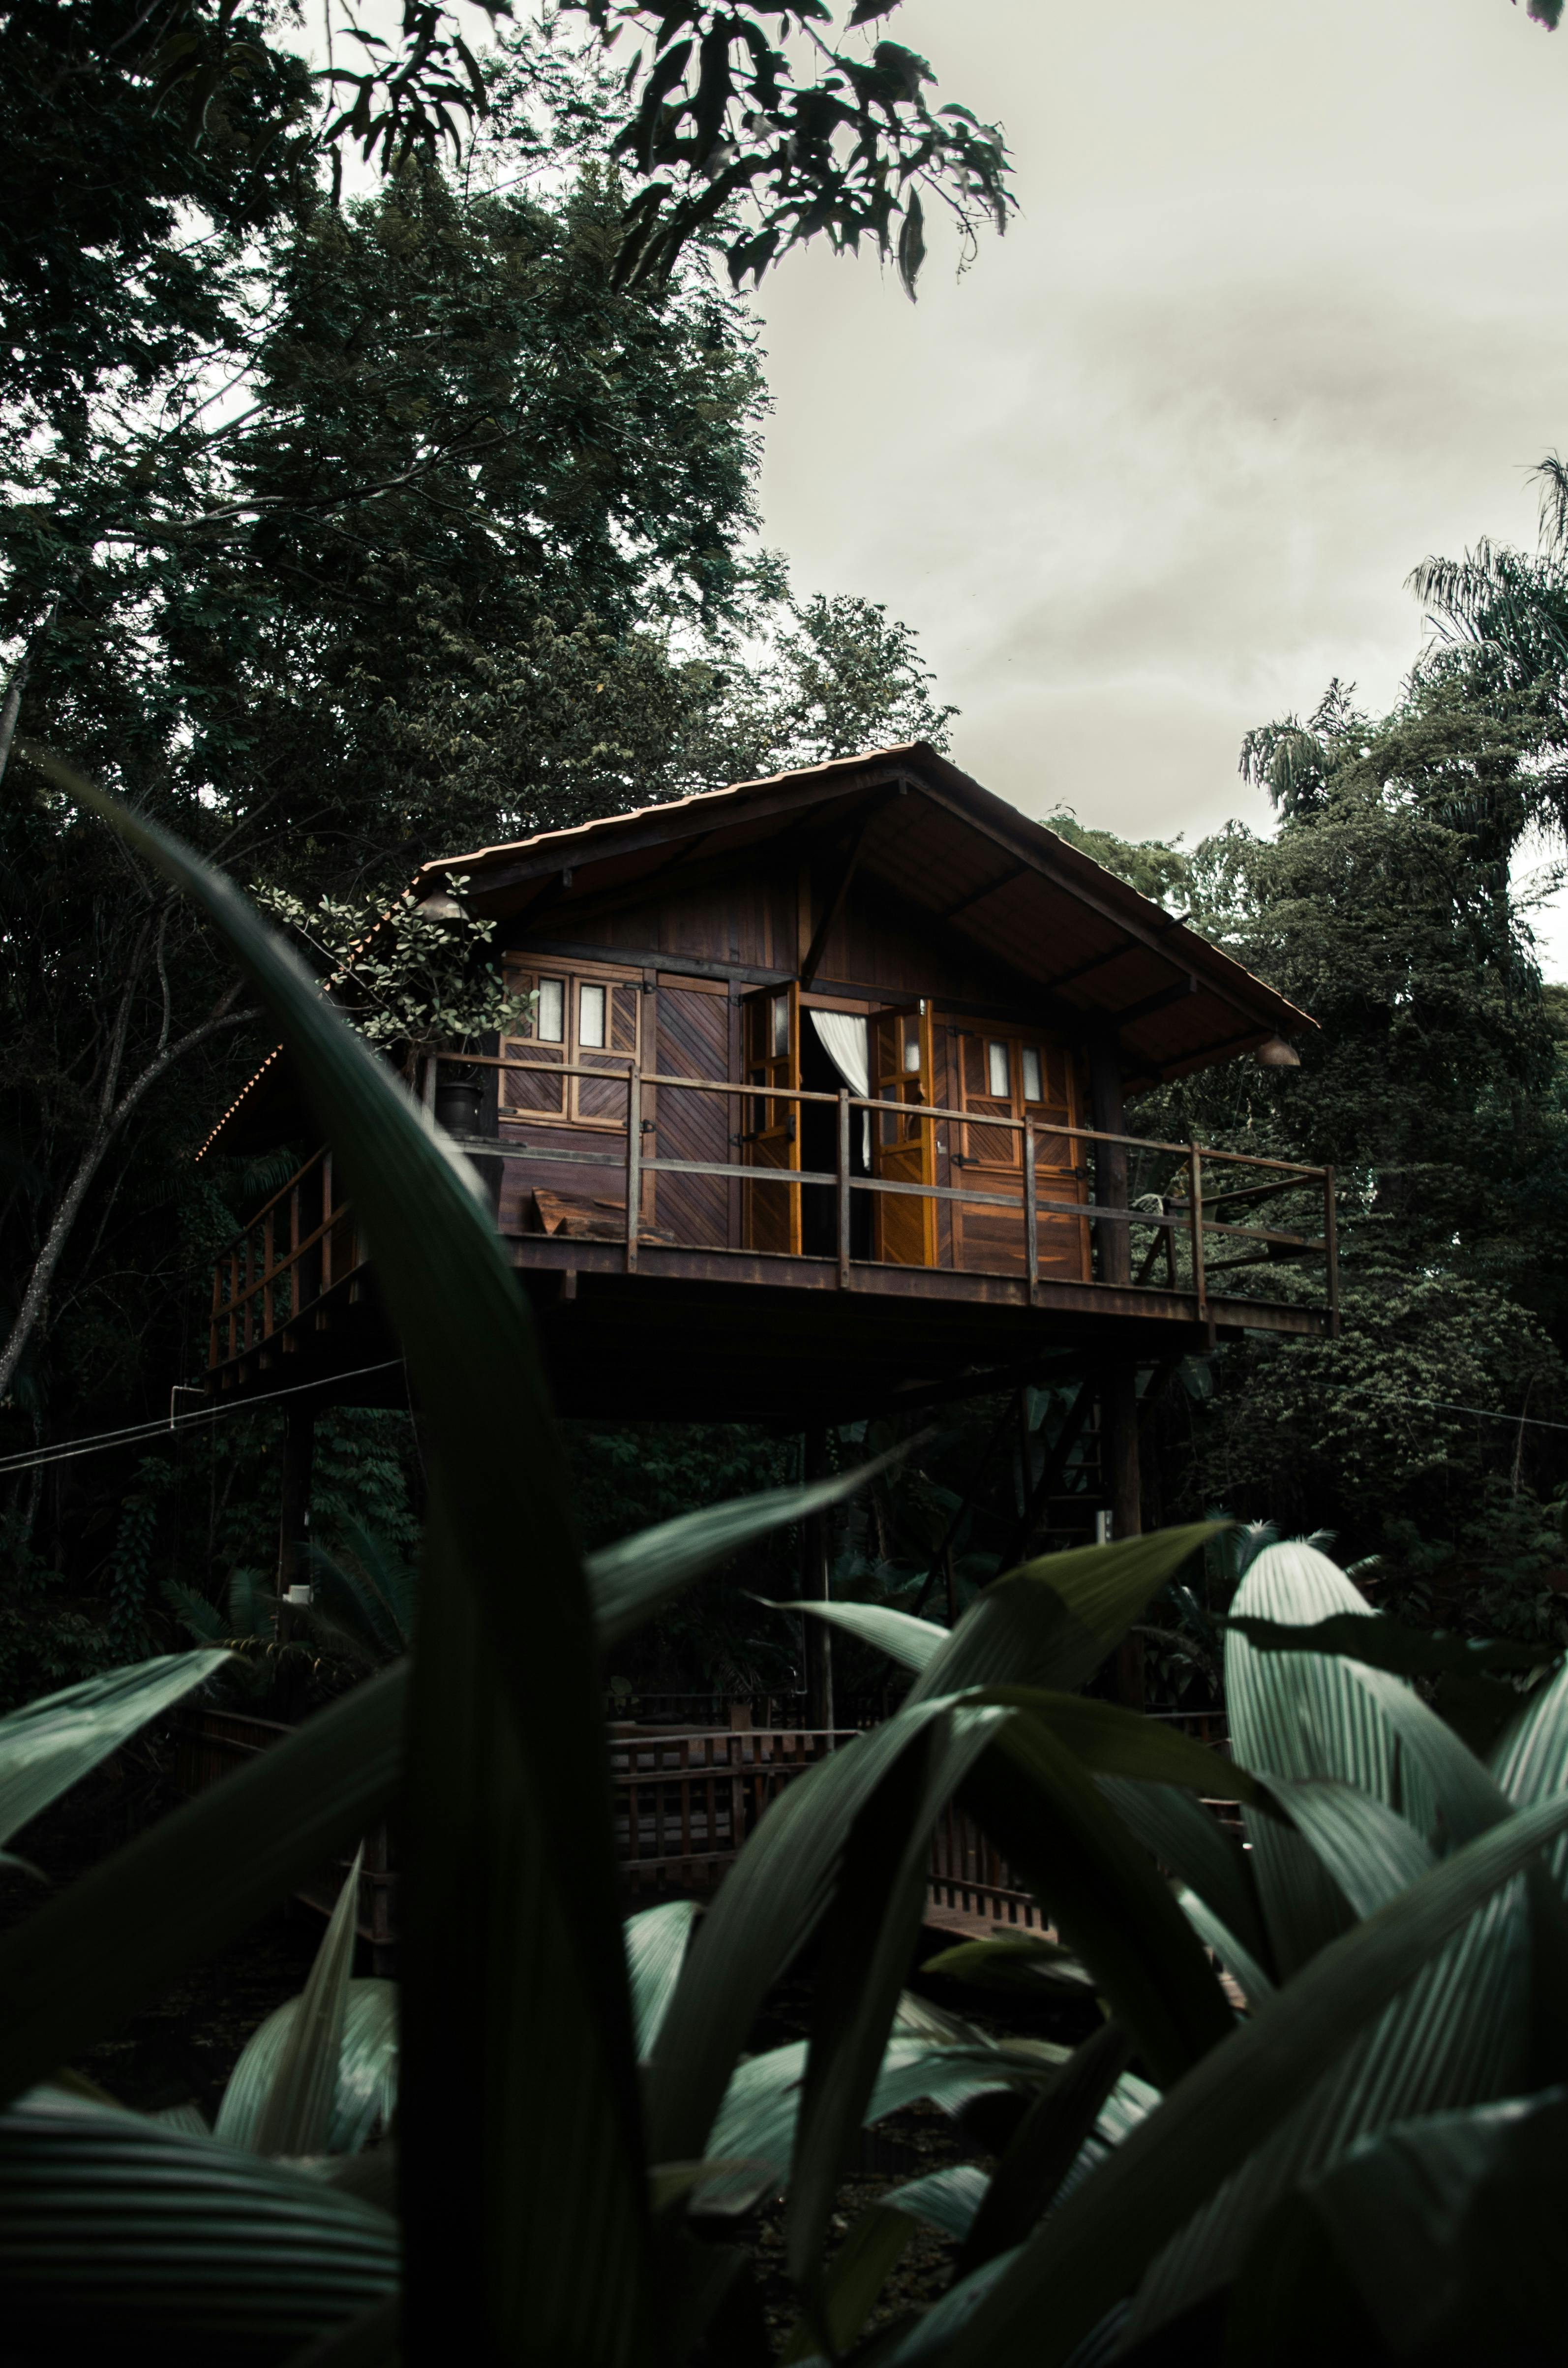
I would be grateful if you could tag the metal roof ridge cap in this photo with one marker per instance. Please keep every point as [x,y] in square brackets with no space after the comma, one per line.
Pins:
[535,839]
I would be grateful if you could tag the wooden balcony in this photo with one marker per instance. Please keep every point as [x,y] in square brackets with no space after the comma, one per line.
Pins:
[638,1322]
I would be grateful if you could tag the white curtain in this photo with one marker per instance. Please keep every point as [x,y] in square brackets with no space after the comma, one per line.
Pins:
[848,1043]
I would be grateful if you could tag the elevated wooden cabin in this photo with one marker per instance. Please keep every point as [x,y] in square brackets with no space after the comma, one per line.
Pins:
[818,1111]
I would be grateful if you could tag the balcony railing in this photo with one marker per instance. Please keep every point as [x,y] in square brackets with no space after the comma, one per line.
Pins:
[304,1242]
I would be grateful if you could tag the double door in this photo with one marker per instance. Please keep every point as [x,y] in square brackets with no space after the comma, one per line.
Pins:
[900,1071]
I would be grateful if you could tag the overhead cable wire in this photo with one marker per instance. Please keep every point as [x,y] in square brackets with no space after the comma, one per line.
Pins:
[99,1443]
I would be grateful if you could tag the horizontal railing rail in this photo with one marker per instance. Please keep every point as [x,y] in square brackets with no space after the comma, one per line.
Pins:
[303,1242]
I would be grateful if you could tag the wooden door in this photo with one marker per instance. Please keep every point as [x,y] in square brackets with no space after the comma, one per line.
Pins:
[1010,1073]
[903,1149]
[770,1128]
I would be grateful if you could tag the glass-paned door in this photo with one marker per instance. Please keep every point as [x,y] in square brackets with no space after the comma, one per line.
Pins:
[770,1125]
[904,1224]
[1007,1075]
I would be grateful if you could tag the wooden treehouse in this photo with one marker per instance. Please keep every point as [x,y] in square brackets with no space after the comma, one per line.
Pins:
[820,1114]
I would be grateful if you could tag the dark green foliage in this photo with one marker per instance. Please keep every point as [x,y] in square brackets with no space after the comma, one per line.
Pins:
[1436,1085]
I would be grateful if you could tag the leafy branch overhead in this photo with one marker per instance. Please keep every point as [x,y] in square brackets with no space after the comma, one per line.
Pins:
[844,148]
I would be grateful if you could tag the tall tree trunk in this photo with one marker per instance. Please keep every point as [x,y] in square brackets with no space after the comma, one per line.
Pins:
[111,1121]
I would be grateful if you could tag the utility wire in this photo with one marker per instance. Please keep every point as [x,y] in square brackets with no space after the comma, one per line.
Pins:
[99,1443]
[1487,1414]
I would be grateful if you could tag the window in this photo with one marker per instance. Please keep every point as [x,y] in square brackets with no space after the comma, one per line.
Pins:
[912,1048]
[589,1019]
[779,1044]
[998,1082]
[1034,1089]
[550,1018]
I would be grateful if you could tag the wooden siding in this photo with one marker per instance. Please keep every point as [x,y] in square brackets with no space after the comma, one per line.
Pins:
[692,1038]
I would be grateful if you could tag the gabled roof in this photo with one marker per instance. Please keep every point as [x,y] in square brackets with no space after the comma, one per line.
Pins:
[954,857]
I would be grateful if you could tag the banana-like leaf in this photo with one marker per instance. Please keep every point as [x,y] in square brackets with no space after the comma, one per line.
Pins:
[1052,1622]
[655,1950]
[1385,1644]
[855,2278]
[1461,2033]
[120,2236]
[1217,1935]
[1530,1760]
[910,1642]
[1046,1816]
[1045,2146]
[1079,2262]
[512,1925]
[1292,1714]
[365,2089]
[106,1946]
[1369,1850]
[1018,1960]
[946,2199]
[632,1581]
[769,1903]
[1121,1743]
[757,2121]
[298,2103]
[867,1940]
[1189,1842]
[1449,2231]
[50,1745]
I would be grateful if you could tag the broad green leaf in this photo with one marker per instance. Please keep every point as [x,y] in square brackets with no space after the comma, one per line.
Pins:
[1045,2146]
[946,2199]
[49,1744]
[1083,2257]
[1383,1644]
[1018,1961]
[766,1909]
[1369,1850]
[656,1950]
[1295,1714]
[631,1582]
[1459,2033]
[367,2070]
[855,2278]
[122,2237]
[1450,2229]
[511,2244]
[867,1938]
[1052,1622]
[1188,1841]
[297,2105]
[910,1642]
[1046,1816]
[106,1947]
[1216,1934]
[1115,1742]
[1530,1760]
[757,2119]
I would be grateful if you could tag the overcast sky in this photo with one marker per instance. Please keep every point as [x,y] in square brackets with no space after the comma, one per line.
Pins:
[1284,312]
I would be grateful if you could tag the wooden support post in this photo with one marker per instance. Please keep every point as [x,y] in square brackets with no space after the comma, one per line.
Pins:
[633,1166]
[842,1188]
[1032,1216]
[1110,1159]
[1119,1447]
[294,1508]
[814,1589]
[1195,1197]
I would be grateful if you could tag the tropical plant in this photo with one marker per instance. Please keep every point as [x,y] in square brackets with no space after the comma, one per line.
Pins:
[1395,1925]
